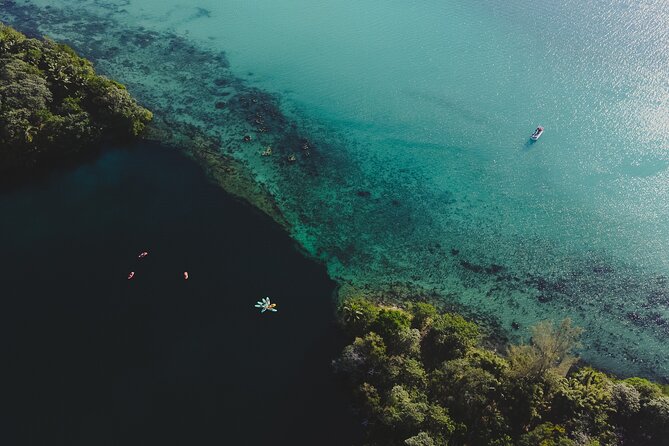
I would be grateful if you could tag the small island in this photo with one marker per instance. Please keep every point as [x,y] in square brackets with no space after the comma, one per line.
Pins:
[54,106]
[425,378]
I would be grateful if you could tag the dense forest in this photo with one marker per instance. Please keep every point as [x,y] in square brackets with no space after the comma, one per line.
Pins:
[424,378]
[53,105]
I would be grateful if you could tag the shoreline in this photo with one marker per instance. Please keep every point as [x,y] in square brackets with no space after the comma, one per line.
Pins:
[227,172]
[221,151]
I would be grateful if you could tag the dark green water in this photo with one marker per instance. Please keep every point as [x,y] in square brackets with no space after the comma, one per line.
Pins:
[90,358]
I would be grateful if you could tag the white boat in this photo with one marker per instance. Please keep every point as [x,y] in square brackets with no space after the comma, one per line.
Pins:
[537,133]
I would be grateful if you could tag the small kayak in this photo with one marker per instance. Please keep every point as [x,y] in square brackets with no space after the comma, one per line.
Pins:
[185,275]
[131,275]
[142,254]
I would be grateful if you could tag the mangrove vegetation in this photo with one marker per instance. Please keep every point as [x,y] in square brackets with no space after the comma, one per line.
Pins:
[425,378]
[53,105]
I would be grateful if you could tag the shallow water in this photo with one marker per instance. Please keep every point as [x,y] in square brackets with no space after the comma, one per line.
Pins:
[419,114]
[93,358]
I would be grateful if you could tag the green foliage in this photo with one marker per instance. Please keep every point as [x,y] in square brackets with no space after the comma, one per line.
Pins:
[647,390]
[371,399]
[488,360]
[408,342]
[449,337]
[52,104]
[357,315]
[9,38]
[665,389]
[408,412]
[587,394]
[366,358]
[408,371]
[528,402]
[546,434]
[626,400]
[405,411]
[394,326]
[423,315]
[422,379]
[549,351]
[439,423]
[471,393]
[586,390]
[422,439]
[655,418]
[391,321]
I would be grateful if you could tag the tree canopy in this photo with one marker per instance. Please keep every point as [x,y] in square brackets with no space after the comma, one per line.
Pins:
[54,105]
[424,378]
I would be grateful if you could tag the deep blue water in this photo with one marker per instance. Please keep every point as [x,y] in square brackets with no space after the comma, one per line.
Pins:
[92,358]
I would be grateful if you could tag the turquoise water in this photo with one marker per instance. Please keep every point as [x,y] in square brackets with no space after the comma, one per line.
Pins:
[419,114]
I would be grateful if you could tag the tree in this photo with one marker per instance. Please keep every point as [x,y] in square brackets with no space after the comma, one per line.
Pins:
[439,424]
[357,315]
[405,411]
[549,350]
[450,336]
[655,416]
[647,390]
[408,371]
[528,402]
[423,315]
[458,392]
[585,398]
[489,361]
[422,439]
[9,39]
[391,321]
[116,107]
[626,400]
[547,434]
[408,343]
[370,398]
[365,359]
[53,105]
[22,86]
[473,396]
